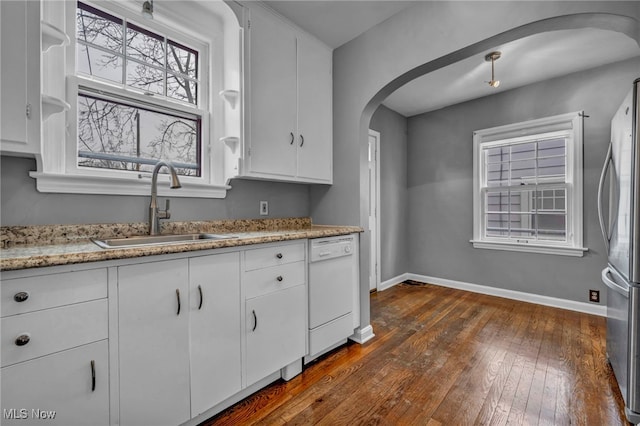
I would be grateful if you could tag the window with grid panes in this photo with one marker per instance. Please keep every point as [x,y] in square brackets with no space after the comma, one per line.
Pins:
[136,91]
[528,186]
[121,132]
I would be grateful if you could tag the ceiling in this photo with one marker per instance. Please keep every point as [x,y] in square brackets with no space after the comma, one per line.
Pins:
[335,22]
[523,61]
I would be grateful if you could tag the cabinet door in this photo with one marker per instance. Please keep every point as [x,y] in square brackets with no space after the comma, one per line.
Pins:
[273,96]
[215,329]
[153,328]
[58,389]
[13,77]
[20,77]
[315,131]
[275,330]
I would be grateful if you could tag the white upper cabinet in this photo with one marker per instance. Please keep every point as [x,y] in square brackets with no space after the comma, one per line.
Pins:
[29,46]
[315,130]
[20,77]
[288,95]
[272,85]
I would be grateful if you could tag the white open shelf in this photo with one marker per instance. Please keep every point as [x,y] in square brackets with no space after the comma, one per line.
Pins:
[231,141]
[231,96]
[52,105]
[52,36]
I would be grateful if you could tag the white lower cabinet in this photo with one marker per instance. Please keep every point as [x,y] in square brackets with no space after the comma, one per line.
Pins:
[214,330]
[153,343]
[274,285]
[179,337]
[275,331]
[54,347]
[67,388]
[158,341]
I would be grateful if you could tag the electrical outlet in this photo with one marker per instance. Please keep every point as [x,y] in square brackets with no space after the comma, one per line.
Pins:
[264,208]
[594,296]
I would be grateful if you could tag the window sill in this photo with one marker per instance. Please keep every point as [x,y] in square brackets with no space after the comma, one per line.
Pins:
[531,248]
[83,184]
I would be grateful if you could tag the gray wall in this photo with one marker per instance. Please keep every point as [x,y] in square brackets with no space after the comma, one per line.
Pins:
[393,191]
[22,204]
[370,67]
[440,184]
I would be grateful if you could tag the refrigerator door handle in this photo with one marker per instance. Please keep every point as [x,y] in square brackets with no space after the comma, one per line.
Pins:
[603,176]
[612,284]
[634,273]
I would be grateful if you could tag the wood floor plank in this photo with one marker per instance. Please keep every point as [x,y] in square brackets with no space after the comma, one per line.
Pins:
[447,357]
[529,350]
[463,402]
[536,391]
[550,389]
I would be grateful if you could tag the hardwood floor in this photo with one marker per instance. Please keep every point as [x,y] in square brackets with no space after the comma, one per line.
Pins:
[449,357]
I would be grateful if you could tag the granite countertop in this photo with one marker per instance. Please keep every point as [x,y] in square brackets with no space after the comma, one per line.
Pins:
[25,247]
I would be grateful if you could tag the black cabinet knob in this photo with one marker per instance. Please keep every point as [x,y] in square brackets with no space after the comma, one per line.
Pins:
[22,340]
[21,296]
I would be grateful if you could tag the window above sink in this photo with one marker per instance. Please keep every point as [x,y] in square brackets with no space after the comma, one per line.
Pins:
[140,91]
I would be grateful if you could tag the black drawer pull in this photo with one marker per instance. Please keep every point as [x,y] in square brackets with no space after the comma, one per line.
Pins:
[178,297]
[21,296]
[201,297]
[279,255]
[22,339]
[93,376]
[279,278]
[255,321]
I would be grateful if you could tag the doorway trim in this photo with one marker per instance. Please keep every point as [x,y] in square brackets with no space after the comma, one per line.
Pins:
[374,157]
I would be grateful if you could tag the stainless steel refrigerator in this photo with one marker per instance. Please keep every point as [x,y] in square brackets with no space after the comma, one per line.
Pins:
[621,230]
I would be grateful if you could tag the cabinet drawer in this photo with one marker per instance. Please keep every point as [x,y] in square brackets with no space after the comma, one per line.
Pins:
[63,383]
[53,330]
[272,256]
[50,291]
[267,280]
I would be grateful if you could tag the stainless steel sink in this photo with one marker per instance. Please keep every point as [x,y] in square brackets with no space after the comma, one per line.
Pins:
[149,240]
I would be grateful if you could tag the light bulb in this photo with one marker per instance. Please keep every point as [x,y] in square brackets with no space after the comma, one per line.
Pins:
[494,83]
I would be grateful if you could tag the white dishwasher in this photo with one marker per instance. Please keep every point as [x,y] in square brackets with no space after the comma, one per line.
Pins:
[333,285]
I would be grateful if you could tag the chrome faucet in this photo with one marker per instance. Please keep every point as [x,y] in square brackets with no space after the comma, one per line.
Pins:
[156,214]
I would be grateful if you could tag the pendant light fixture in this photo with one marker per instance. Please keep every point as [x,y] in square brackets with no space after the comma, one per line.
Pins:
[147,9]
[493,57]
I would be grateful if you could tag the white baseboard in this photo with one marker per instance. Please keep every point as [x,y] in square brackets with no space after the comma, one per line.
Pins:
[555,302]
[393,281]
[362,335]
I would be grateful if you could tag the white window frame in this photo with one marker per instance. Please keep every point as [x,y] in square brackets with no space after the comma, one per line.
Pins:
[568,125]
[59,171]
